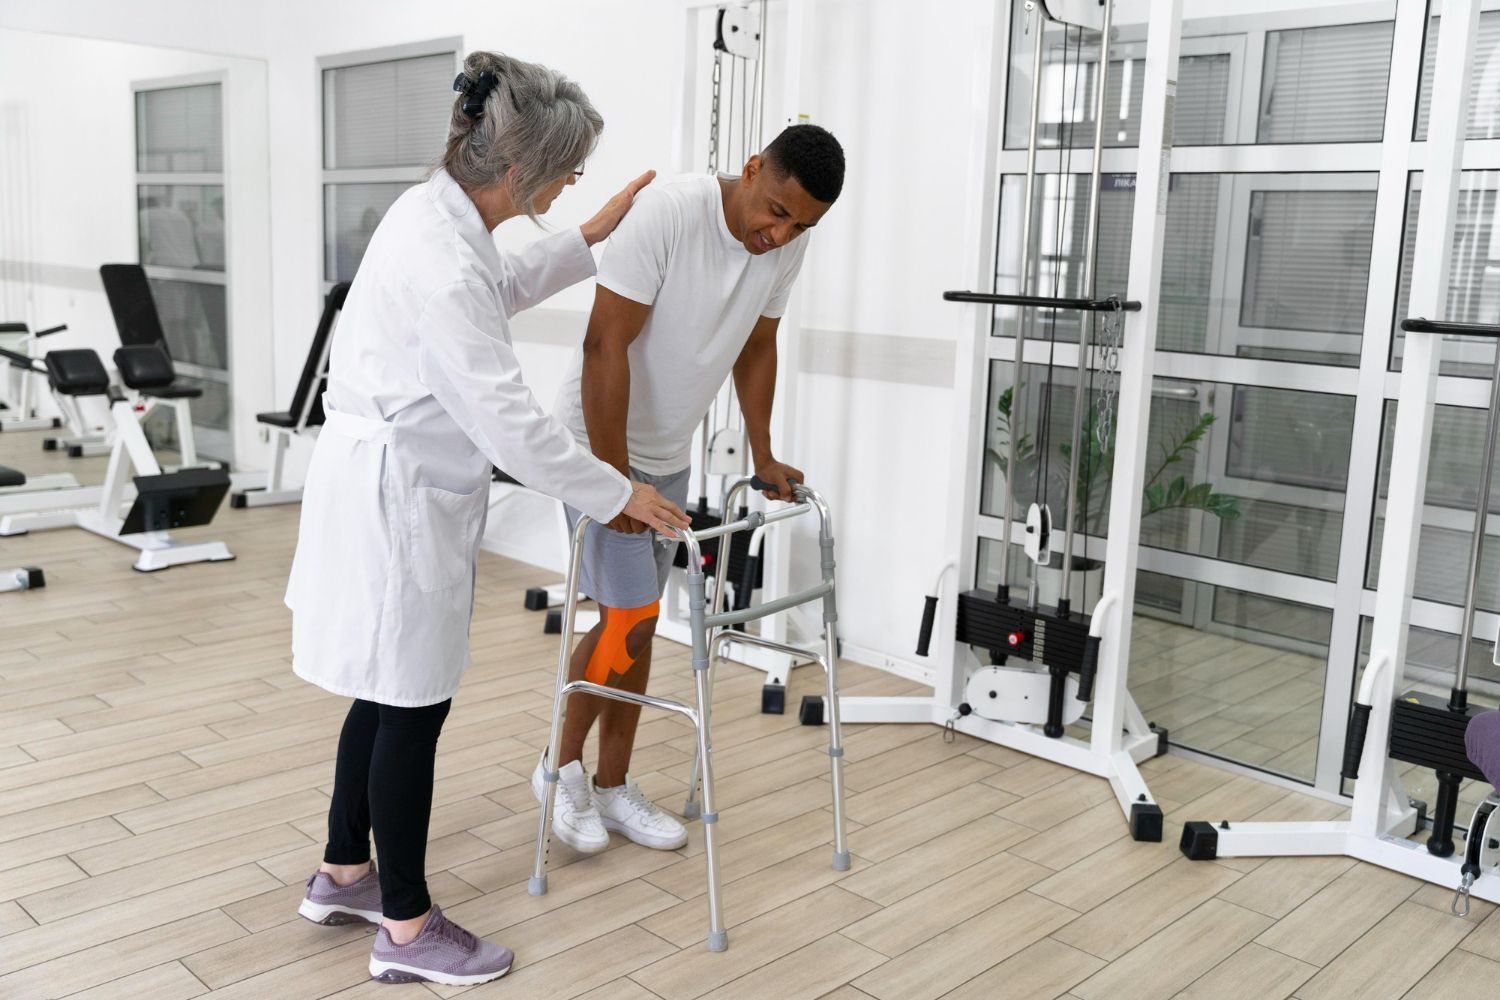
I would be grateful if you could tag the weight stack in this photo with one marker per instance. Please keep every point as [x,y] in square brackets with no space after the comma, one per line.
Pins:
[739,549]
[1426,732]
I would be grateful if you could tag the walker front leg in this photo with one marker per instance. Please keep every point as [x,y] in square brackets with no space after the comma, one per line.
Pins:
[537,885]
[831,668]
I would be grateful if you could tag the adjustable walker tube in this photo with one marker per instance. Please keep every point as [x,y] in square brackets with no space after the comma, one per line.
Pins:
[1016,410]
[1089,261]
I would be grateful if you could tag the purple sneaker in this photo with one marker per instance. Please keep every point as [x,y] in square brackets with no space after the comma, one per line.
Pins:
[330,904]
[442,953]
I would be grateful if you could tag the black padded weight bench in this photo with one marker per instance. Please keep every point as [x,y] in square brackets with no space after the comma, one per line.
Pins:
[305,414]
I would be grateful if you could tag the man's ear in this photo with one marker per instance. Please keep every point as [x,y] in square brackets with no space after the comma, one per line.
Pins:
[752,167]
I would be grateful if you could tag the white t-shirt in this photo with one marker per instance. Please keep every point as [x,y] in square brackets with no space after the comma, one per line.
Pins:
[674,252]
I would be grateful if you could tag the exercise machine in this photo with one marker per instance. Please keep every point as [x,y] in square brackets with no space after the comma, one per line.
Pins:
[163,500]
[710,621]
[23,577]
[24,416]
[303,417]
[1048,663]
[139,325]
[1387,722]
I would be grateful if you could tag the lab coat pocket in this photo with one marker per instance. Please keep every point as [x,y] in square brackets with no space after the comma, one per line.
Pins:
[444,526]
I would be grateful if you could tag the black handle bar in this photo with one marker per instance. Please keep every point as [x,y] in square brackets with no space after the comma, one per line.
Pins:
[1458,329]
[1082,305]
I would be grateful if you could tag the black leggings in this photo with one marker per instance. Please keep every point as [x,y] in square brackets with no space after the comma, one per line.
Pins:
[384,775]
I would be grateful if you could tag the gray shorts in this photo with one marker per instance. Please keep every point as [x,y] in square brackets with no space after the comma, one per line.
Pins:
[629,571]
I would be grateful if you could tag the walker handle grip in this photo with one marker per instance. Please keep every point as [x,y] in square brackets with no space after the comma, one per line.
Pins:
[757,483]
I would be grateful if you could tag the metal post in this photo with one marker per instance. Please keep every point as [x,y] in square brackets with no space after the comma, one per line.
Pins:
[718,940]
[1016,410]
[1089,279]
[831,665]
[1460,696]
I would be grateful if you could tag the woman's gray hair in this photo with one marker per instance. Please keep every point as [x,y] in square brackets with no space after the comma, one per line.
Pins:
[537,126]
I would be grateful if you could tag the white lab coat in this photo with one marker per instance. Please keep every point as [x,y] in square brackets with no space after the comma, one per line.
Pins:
[424,394]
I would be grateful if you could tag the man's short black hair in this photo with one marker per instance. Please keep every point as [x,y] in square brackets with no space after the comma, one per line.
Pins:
[811,155]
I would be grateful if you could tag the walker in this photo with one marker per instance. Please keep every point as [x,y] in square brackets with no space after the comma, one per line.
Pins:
[711,629]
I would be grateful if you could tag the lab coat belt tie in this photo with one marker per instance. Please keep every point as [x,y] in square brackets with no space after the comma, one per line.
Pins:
[357,427]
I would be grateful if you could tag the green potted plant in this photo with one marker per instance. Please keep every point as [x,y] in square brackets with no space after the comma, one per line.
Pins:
[1163,490]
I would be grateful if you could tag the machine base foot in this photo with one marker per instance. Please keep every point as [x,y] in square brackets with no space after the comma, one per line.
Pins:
[773,699]
[536,599]
[811,712]
[1145,821]
[1200,841]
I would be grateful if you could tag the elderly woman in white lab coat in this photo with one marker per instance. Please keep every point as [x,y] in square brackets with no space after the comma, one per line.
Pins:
[424,394]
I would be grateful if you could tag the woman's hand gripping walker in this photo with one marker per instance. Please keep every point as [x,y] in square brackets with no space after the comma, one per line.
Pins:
[709,628]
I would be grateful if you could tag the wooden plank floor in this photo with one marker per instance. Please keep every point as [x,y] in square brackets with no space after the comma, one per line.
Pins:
[164,779]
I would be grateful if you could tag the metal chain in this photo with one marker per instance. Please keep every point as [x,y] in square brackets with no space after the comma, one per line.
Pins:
[1108,348]
[713,117]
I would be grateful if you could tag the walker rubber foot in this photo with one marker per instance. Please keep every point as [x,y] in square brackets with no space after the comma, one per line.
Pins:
[811,712]
[840,861]
[718,940]
[1200,841]
[536,599]
[691,810]
[537,886]
[773,699]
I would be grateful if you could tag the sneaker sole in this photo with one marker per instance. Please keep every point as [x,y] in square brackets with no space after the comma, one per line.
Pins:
[332,915]
[561,832]
[644,839]
[395,972]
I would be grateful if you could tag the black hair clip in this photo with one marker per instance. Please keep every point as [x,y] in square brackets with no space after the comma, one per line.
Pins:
[475,91]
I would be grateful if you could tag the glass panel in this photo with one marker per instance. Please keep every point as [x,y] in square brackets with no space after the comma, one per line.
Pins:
[387,114]
[1262,471]
[1255,265]
[1484,84]
[1473,271]
[351,213]
[1228,672]
[1326,84]
[1307,260]
[1455,452]
[182,225]
[180,129]
[1320,79]
[194,320]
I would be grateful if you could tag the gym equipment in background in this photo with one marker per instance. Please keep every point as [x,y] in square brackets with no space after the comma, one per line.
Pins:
[163,500]
[23,577]
[304,416]
[1049,661]
[136,319]
[710,624]
[1382,725]
[20,413]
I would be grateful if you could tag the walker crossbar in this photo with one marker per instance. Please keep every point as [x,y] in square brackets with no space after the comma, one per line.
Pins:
[708,623]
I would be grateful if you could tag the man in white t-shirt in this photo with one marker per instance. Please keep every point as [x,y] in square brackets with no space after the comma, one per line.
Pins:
[691,288]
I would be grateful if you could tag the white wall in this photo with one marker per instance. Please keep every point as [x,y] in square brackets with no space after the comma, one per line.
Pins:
[894,82]
[70,201]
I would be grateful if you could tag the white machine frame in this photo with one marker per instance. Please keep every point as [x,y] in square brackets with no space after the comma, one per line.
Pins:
[793,45]
[1120,736]
[158,549]
[1382,817]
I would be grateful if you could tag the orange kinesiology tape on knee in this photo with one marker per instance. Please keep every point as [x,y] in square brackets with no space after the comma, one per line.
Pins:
[611,653]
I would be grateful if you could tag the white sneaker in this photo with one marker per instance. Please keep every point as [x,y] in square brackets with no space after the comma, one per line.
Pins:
[627,810]
[575,821]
